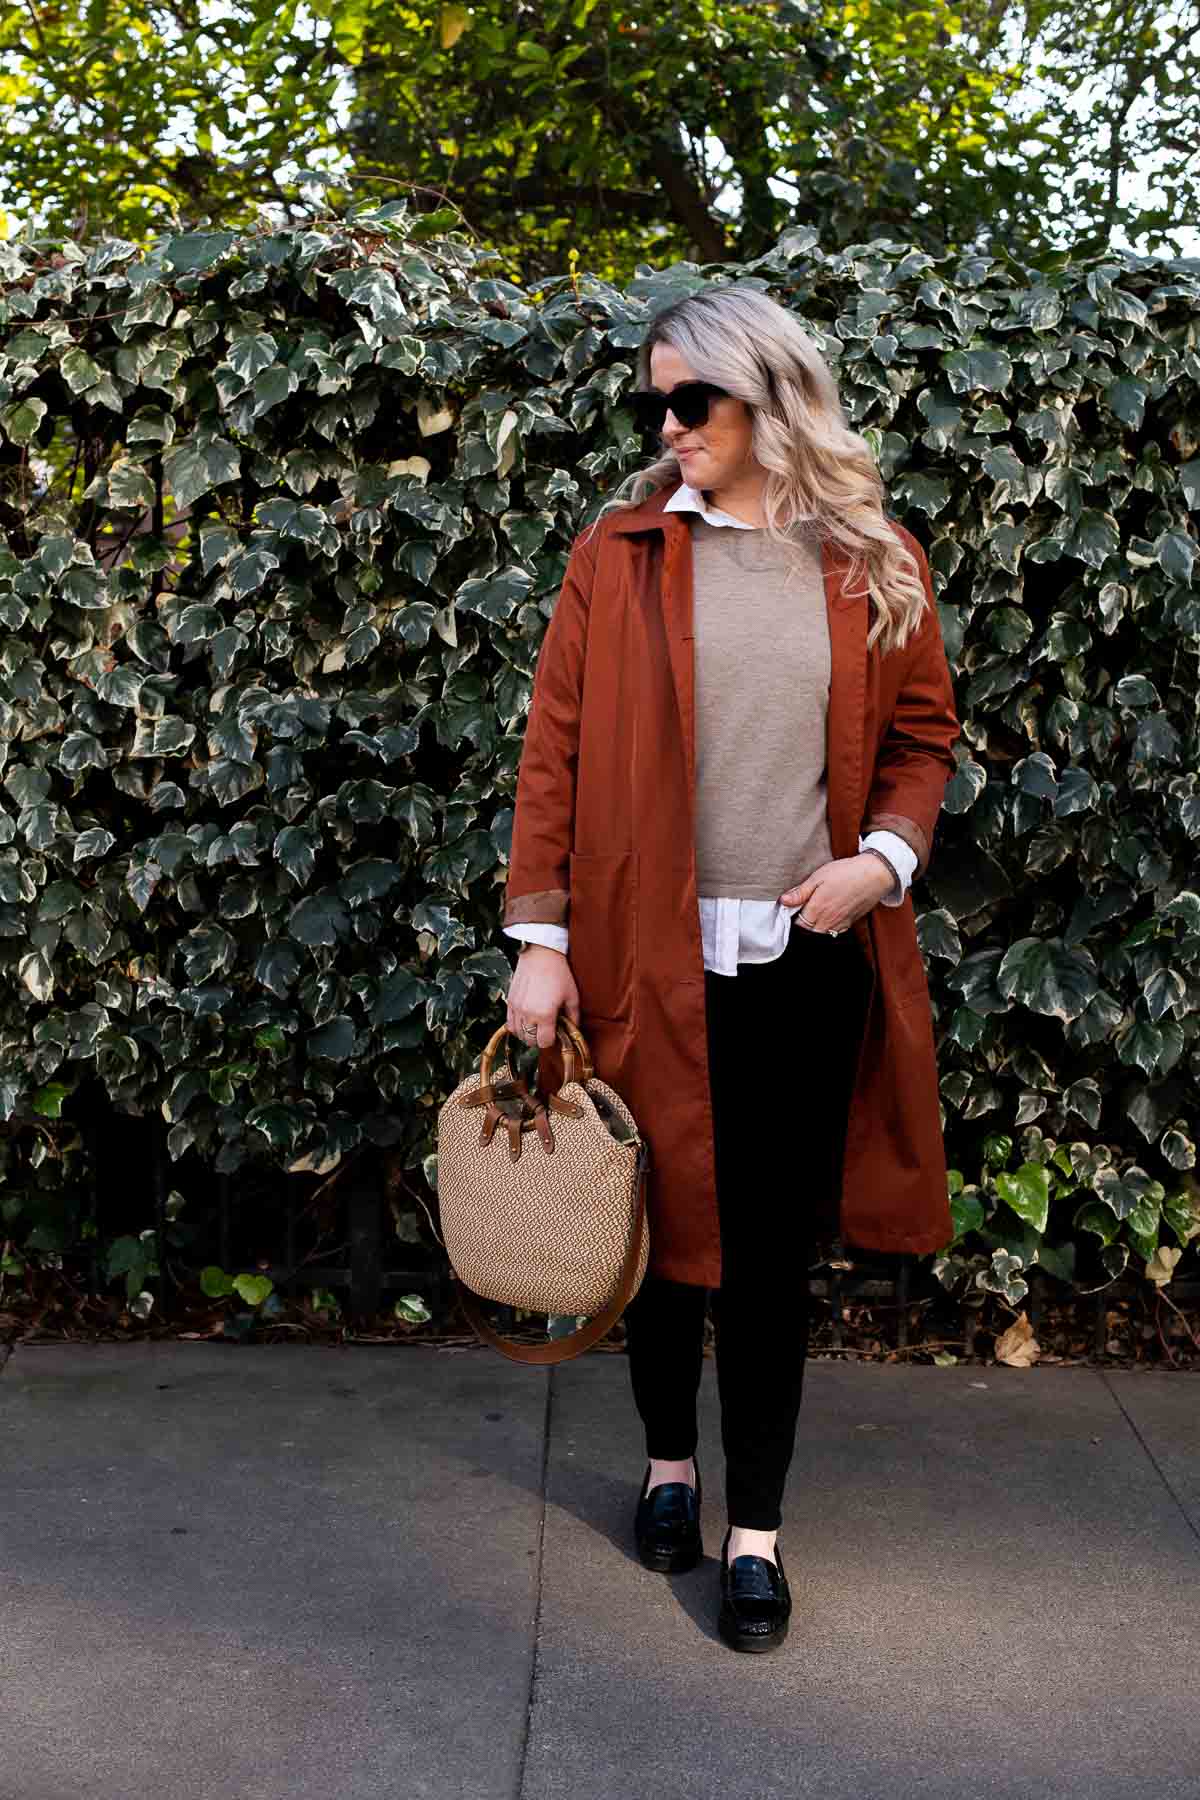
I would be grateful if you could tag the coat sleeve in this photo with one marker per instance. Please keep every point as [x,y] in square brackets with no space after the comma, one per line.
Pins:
[538,885]
[916,758]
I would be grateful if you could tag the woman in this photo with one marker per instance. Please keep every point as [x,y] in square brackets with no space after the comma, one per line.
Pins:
[744,671]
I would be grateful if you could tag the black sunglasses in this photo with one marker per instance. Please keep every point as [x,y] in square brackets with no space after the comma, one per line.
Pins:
[689,401]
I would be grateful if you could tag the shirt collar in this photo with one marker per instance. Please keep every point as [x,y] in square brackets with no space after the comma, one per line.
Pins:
[690,499]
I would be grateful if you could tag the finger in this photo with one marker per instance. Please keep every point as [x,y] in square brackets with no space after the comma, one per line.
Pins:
[821,917]
[808,889]
[811,882]
[814,903]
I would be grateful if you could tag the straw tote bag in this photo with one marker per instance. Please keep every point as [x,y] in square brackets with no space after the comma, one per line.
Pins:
[549,1212]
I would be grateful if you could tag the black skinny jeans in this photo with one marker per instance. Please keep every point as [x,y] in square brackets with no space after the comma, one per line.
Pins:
[787,1031]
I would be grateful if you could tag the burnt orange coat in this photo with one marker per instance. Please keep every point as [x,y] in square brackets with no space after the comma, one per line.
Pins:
[603,842]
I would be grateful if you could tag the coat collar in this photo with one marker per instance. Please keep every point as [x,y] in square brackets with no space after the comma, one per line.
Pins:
[846,610]
[647,515]
[651,515]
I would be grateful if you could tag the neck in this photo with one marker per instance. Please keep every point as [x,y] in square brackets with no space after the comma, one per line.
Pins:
[741,498]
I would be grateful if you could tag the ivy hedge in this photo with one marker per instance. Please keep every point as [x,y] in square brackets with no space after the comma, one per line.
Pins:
[285,515]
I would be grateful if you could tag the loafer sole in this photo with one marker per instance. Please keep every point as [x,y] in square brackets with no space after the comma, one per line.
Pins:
[752,1641]
[671,1562]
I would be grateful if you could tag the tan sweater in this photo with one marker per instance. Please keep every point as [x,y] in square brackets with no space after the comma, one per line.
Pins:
[762,668]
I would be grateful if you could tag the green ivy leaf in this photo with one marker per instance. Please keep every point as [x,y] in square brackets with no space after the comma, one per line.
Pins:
[1125,1191]
[320,919]
[37,973]
[293,519]
[335,1041]
[196,250]
[206,950]
[251,352]
[48,1100]
[20,420]
[277,967]
[253,1289]
[1027,1192]
[1048,978]
[200,463]
[412,1309]
[215,1282]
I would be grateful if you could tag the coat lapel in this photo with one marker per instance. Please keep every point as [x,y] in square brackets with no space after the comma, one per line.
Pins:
[847,615]
[846,611]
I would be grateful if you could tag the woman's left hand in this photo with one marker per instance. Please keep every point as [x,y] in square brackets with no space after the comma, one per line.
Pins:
[840,891]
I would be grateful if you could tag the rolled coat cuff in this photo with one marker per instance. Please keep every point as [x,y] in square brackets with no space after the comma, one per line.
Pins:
[548,906]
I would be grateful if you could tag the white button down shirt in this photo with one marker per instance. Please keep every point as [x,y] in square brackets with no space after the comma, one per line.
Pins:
[733,930]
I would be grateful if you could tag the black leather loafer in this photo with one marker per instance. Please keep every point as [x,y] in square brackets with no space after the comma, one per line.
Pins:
[667,1524]
[756,1601]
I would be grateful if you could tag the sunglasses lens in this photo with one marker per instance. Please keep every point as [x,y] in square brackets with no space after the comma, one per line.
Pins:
[689,403]
[649,410]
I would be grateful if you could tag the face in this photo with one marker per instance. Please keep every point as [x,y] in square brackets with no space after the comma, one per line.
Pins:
[716,454]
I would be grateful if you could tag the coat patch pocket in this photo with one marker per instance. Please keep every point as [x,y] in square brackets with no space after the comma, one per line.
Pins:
[602,931]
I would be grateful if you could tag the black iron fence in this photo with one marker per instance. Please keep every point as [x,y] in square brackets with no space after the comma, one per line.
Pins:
[350,1232]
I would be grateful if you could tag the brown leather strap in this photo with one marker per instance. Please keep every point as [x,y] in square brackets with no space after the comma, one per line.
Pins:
[560,1349]
[510,1103]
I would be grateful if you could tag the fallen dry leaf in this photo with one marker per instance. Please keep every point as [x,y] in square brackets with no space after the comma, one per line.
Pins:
[1017,1346]
[1161,1266]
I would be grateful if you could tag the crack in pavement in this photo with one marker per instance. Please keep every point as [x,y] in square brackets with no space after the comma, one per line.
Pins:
[531,1700]
[1154,1462]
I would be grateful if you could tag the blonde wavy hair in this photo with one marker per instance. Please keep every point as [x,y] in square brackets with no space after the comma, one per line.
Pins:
[820,475]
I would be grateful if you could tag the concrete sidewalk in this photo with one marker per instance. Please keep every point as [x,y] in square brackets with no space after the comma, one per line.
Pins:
[277,1573]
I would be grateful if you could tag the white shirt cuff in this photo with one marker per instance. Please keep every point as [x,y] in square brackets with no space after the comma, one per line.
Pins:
[553,936]
[902,857]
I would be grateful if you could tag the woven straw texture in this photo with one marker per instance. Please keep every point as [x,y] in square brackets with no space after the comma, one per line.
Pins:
[548,1232]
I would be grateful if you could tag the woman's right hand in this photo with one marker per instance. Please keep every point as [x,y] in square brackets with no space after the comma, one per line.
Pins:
[542,984]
